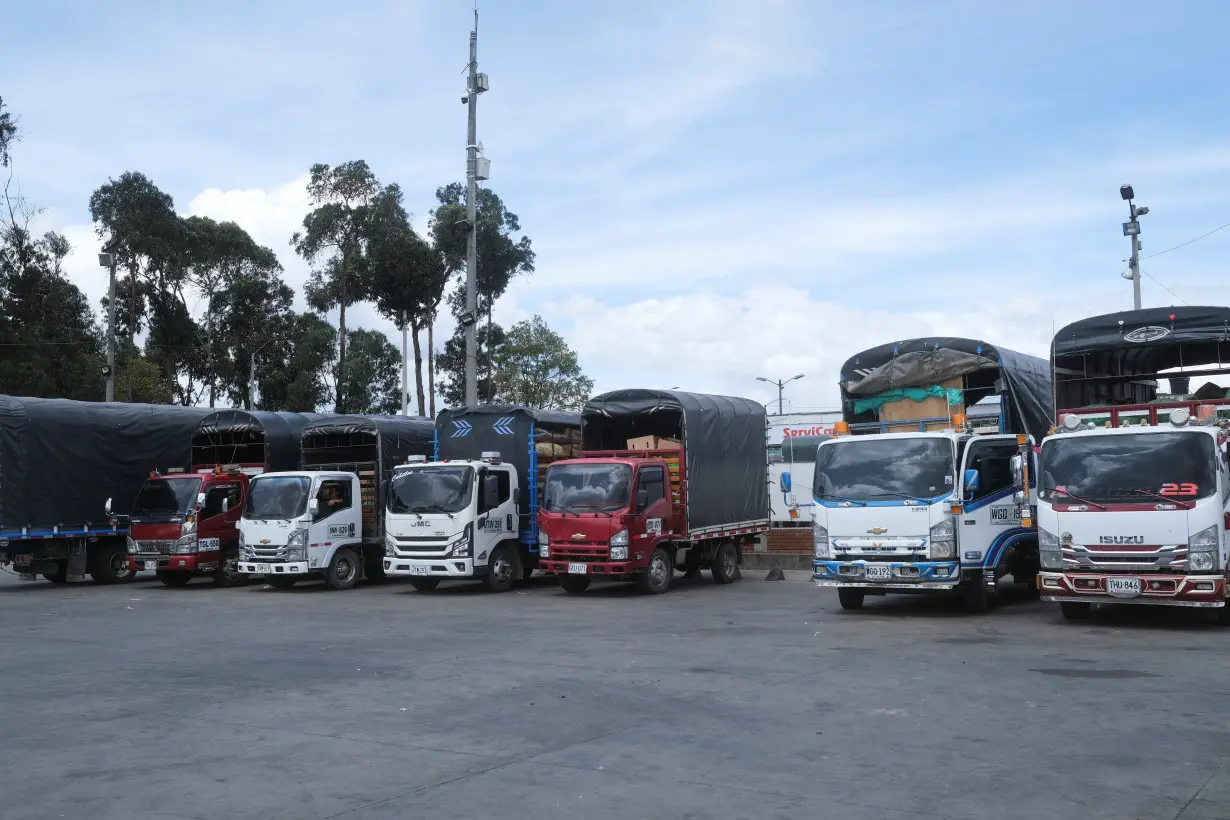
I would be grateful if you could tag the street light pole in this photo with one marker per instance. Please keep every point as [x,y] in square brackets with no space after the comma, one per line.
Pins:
[471,317]
[1131,229]
[780,387]
[107,260]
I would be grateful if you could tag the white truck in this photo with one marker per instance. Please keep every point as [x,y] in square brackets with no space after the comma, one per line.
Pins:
[1134,484]
[471,513]
[914,498]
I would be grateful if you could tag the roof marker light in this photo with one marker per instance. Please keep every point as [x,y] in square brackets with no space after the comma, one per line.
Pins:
[1070,422]
[416,459]
[1180,416]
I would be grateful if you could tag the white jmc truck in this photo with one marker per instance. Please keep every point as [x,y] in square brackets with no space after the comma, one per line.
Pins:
[471,513]
[909,496]
[1134,484]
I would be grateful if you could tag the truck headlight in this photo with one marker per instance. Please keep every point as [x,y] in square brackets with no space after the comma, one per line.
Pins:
[242,541]
[620,539]
[132,546]
[943,550]
[543,540]
[298,538]
[619,553]
[1048,550]
[1202,550]
[298,554]
[943,540]
[390,547]
[544,549]
[820,539]
[186,545]
[1203,561]
[188,527]
[461,548]
[246,554]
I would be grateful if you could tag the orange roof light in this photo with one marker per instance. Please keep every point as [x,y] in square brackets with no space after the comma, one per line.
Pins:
[841,428]
[958,419]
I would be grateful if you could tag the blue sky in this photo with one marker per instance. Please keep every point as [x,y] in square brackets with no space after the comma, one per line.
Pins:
[716,190]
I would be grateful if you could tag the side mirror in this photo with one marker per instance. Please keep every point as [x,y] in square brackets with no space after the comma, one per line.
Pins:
[516,495]
[226,504]
[642,500]
[491,492]
[314,506]
[107,507]
[971,482]
[1018,471]
[783,482]
[200,500]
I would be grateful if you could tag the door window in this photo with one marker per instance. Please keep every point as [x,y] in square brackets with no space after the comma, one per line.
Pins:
[503,479]
[333,496]
[653,482]
[214,497]
[993,461]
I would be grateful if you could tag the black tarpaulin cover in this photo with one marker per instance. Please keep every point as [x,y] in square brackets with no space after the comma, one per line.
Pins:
[398,437]
[279,430]
[468,432]
[1139,343]
[1022,381]
[724,446]
[61,460]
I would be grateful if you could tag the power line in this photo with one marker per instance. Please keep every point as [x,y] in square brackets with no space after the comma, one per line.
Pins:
[1163,287]
[1188,242]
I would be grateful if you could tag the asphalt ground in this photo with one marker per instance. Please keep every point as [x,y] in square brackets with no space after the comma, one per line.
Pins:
[757,700]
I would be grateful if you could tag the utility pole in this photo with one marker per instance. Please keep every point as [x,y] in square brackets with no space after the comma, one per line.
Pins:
[780,387]
[1131,229]
[471,317]
[405,369]
[107,260]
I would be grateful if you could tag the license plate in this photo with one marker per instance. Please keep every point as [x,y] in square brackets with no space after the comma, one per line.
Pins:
[150,564]
[578,569]
[23,560]
[262,569]
[878,572]
[420,570]
[1123,587]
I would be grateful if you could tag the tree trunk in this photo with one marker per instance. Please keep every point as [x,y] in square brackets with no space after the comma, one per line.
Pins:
[341,341]
[209,312]
[415,329]
[431,362]
[132,322]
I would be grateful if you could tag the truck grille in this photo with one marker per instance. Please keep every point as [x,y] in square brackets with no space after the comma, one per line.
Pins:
[269,553]
[160,547]
[580,552]
[1164,558]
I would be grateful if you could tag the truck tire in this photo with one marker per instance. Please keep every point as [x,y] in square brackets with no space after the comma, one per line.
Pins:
[850,598]
[173,579]
[109,565]
[574,584]
[657,576]
[227,573]
[60,576]
[1076,610]
[1223,615]
[343,571]
[726,563]
[424,584]
[503,569]
[281,582]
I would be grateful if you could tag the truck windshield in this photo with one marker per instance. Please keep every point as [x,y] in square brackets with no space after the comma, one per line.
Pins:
[884,469]
[162,496]
[431,489]
[578,488]
[1130,469]
[277,498]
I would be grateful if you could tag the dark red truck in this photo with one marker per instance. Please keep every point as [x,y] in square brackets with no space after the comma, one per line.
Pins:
[666,480]
[184,523]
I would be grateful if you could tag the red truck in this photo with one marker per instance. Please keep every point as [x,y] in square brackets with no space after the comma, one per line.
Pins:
[184,523]
[666,480]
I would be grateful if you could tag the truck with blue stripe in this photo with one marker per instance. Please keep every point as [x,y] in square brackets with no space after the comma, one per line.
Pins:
[914,493]
[471,511]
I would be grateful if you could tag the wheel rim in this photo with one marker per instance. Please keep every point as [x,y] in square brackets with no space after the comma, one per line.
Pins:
[230,568]
[657,571]
[502,569]
[345,569]
[728,562]
[119,565]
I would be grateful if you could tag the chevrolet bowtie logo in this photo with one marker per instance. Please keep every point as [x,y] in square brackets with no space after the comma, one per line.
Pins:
[578,536]
[878,530]
[264,540]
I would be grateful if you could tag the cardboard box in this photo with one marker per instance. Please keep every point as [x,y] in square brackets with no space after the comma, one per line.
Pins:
[653,443]
[930,407]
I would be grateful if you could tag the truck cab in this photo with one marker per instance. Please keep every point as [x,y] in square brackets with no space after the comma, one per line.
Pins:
[184,525]
[455,520]
[302,525]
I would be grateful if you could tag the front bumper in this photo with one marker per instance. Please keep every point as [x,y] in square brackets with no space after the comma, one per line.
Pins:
[601,569]
[1157,589]
[170,563]
[436,567]
[299,568]
[905,575]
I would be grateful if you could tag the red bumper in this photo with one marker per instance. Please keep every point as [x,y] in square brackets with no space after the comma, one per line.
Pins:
[202,562]
[597,569]
[1156,589]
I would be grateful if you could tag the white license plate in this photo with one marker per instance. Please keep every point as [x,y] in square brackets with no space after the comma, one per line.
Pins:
[150,564]
[1123,587]
[578,569]
[262,569]
[420,570]
[878,572]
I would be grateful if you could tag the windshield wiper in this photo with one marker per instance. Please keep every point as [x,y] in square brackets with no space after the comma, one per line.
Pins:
[842,498]
[1074,497]
[901,495]
[1182,502]
[430,508]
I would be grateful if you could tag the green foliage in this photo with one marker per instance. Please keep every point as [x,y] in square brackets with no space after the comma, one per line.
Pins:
[534,366]
[373,379]
[8,134]
[291,367]
[450,363]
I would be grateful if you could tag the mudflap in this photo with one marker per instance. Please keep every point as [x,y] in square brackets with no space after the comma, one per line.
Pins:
[78,556]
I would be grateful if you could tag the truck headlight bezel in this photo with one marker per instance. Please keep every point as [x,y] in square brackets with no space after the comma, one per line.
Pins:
[131,546]
[186,545]
[820,540]
[297,538]
[1049,555]
[619,539]
[1203,550]
[619,553]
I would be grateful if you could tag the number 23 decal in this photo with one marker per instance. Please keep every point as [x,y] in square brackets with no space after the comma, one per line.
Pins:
[1178,489]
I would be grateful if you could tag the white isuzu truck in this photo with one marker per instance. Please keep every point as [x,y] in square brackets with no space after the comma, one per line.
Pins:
[324,522]
[912,497]
[1134,483]
[471,512]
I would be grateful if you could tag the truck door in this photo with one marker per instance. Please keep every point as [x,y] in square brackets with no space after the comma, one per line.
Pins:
[651,506]
[217,526]
[498,521]
[991,519]
[337,512]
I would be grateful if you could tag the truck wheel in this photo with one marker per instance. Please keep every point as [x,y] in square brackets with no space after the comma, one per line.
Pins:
[1076,610]
[725,563]
[503,569]
[574,584]
[280,582]
[60,576]
[343,571]
[424,584]
[850,598]
[110,566]
[227,573]
[173,579]
[657,576]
